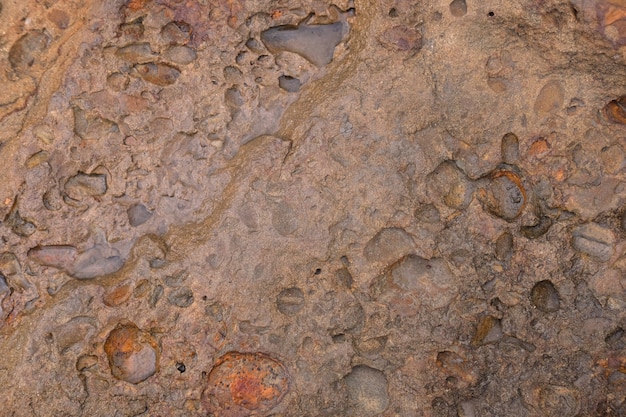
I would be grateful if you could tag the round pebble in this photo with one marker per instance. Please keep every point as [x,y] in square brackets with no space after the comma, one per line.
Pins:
[545,297]
[241,383]
[133,353]
[367,391]
[290,301]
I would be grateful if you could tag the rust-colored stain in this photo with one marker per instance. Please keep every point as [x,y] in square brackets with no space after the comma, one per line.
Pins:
[135,5]
[240,383]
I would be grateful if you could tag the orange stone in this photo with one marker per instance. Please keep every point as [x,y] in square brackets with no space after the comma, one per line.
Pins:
[242,383]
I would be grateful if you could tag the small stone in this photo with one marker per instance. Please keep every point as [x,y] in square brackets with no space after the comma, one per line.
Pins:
[545,297]
[77,330]
[489,330]
[136,53]
[448,182]
[133,353]
[509,148]
[284,219]
[58,256]
[37,159]
[176,33]
[84,185]
[157,292]
[613,159]
[289,84]
[594,240]
[11,270]
[401,38]
[615,110]
[60,18]
[427,213]
[158,74]
[233,98]
[504,247]
[134,29]
[180,54]
[138,214]
[504,195]
[117,296]
[44,134]
[367,391]
[91,126]
[550,98]
[96,262]
[458,8]
[290,301]
[181,297]
[243,384]
[52,199]
[118,81]
[388,245]
[537,230]
[27,49]
[344,278]
[85,362]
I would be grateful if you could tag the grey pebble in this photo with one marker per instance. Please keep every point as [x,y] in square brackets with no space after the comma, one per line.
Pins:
[545,297]
[289,84]
[138,214]
[181,297]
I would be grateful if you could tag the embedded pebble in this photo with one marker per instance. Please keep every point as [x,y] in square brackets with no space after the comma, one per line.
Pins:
[52,199]
[545,297]
[504,196]
[458,8]
[489,330]
[133,354]
[509,148]
[537,230]
[158,74]
[180,54]
[136,53]
[11,269]
[289,84]
[315,43]
[84,185]
[284,219]
[58,256]
[176,33]
[449,183]
[85,362]
[138,214]
[550,98]
[77,330]
[388,245]
[594,240]
[243,383]
[157,292]
[430,279]
[181,297]
[504,247]
[118,81]
[92,127]
[290,301]
[117,296]
[27,49]
[427,213]
[367,391]
[95,262]
[401,38]
[615,110]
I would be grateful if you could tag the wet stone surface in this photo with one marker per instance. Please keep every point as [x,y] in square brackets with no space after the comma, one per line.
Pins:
[313,208]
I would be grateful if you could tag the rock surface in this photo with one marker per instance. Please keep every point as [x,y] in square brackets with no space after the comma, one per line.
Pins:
[313,208]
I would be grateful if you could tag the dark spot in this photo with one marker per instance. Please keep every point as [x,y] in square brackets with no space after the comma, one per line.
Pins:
[204,298]
[393,12]
[491,14]
[181,367]
[318,271]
